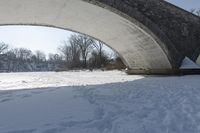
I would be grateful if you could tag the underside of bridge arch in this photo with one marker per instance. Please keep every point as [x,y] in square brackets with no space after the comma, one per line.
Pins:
[140,49]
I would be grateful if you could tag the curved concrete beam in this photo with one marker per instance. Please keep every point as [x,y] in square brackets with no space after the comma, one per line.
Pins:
[176,27]
[136,44]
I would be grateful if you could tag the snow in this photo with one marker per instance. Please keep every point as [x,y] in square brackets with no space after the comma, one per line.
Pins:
[98,102]
[29,80]
[189,64]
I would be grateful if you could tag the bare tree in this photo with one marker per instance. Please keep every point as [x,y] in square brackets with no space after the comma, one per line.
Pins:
[40,56]
[52,57]
[96,62]
[66,51]
[11,60]
[71,53]
[99,47]
[55,58]
[25,54]
[3,47]
[84,43]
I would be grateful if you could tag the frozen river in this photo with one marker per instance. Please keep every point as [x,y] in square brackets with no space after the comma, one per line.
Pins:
[98,102]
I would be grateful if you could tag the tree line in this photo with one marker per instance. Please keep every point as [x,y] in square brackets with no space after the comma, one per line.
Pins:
[79,52]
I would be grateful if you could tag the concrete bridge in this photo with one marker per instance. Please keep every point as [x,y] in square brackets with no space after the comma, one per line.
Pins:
[151,36]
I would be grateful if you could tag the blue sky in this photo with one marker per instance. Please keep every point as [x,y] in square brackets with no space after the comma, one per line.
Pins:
[34,37]
[186,4]
[48,39]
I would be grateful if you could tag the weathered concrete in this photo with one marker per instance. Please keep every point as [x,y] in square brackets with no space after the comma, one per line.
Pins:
[179,26]
[147,34]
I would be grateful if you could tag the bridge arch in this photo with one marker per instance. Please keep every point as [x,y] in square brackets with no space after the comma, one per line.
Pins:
[143,47]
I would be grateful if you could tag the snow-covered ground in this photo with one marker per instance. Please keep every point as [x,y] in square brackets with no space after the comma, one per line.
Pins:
[13,81]
[98,102]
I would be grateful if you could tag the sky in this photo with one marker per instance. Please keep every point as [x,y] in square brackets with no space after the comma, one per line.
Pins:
[186,4]
[48,39]
[34,37]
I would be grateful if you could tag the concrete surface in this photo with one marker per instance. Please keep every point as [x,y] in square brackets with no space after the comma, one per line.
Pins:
[142,45]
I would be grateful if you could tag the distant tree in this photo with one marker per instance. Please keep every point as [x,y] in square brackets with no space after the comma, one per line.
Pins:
[40,56]
[84,43]
[118,63]
[14,60]
[3,47]
[23,60]
[99,48]
[82,51]
[51,57]
[25,54]
[71,53]
[55,58]
[66,51]
[21,53]
[11,60]
[56,62]
[33,58]
[94,61]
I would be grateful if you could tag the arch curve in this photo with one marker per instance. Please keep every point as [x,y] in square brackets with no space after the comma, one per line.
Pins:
[142,46]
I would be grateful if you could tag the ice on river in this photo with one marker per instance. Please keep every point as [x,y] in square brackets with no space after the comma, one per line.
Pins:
[98,102]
